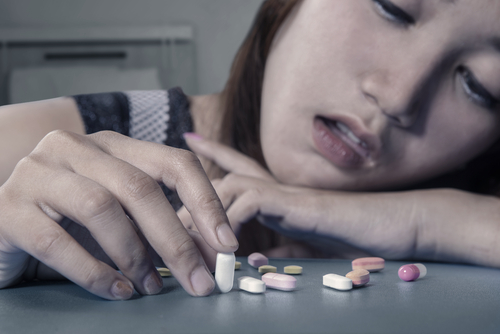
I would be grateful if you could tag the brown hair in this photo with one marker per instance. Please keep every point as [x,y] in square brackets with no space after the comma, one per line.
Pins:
[243,91]
[241,100]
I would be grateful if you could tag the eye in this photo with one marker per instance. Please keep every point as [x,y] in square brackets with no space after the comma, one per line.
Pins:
[474,90]
[393,13]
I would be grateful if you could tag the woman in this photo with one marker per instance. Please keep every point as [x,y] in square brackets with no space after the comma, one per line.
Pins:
[326,101]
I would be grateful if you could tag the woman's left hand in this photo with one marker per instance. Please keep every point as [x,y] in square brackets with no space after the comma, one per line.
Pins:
[319,217]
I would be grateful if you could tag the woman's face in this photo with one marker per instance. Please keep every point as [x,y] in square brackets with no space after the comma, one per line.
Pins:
[364,95]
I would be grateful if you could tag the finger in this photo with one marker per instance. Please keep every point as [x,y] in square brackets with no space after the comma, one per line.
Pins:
[208,253]
[50,244]
[96,208]
[226,157]
[185,218]
[182,172]
[141,196]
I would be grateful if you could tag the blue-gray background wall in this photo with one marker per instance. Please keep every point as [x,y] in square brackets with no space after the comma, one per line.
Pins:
[220,25]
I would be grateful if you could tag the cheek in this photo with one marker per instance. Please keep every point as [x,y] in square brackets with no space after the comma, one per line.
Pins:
[453,134]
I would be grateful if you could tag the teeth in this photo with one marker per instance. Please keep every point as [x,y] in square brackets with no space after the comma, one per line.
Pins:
[345,130]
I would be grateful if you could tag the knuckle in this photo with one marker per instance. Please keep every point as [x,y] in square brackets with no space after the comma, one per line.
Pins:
[28,163]
[133,261]
[96,203]
[140,185]
[92,277]
[47,244]
[183,250]
[184,161]
[56,137]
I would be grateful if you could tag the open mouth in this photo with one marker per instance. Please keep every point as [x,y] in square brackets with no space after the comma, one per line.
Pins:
[343,131]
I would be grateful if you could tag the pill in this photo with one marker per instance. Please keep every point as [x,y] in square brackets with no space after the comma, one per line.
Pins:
[257,259]
[164,272]
[267,269]
[411,272]
[359,277]
[369,263]
[237,265]
[293,270]
[337,282]
[279,281]
[224,271]
[251,284]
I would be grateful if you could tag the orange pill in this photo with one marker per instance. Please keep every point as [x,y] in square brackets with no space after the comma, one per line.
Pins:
[359,277]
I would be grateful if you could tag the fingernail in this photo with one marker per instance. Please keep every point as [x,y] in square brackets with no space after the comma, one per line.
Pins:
[192,135]
[153,283]
[122,290]
[226,236]
[202,281]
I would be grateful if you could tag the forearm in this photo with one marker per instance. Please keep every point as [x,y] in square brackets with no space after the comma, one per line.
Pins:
[440,225]
[22,126]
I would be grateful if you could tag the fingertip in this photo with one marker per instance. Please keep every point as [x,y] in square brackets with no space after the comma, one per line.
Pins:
[226,237]
[192,135]
[202,281]
[122,290]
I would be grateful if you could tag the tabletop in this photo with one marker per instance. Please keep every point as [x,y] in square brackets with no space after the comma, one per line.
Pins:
[451,298]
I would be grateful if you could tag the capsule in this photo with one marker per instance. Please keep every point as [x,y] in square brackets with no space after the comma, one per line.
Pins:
[224,271]
[411,272]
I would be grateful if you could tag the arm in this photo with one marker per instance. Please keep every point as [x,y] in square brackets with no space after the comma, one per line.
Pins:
[438,224]
[22,126]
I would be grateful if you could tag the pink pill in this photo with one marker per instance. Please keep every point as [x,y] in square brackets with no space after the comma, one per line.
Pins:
[411,272]
[257,259]
[369,263]
[359,277]
[279,281]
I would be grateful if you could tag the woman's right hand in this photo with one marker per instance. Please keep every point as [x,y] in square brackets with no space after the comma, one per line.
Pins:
[108,183]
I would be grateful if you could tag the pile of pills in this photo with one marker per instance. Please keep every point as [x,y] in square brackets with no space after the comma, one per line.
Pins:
[226,264]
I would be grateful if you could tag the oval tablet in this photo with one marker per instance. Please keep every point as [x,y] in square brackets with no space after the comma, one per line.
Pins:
[267,269]
[337,282]
[224,271]
[279,281]
[369,263]
[251,284]
[164,272]
[359,277]
[257,259]
[293,270]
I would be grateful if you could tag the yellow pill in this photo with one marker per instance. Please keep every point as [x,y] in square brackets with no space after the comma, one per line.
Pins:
[237,265]
[293,270]
[164,272]
[267,269]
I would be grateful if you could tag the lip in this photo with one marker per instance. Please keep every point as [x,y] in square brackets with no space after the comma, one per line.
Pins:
[339,149]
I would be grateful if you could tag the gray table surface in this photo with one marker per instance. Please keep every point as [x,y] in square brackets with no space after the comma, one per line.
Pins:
[450,299]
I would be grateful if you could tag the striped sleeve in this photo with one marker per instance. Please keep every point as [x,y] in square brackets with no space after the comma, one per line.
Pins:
[142,115]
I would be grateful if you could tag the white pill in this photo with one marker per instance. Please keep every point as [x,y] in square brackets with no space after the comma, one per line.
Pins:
[224,271]
[251,284]
[337,282]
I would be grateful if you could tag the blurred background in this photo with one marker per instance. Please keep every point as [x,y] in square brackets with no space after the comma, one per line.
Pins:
[50,48]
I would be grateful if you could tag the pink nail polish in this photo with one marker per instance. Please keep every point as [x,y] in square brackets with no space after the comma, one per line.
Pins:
[192,135]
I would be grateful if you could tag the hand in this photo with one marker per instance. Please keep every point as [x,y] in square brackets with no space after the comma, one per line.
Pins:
[99,181]
[350,223]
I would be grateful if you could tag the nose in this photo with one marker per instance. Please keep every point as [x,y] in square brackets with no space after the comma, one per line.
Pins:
[396,92]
